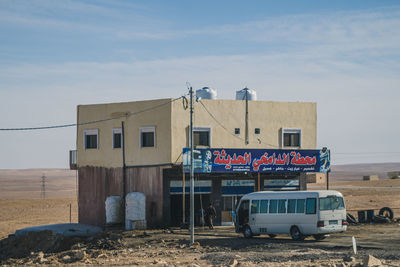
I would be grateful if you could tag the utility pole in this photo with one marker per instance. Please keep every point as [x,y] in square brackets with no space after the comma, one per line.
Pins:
[43,191]
[327,179]
[123,170]
[247,117]
[191,170]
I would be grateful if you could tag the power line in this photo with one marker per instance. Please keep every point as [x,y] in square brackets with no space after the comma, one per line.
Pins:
[365,153]
[88,122]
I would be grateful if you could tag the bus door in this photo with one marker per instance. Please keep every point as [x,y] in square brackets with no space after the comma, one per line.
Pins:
[242,217]
[254,210]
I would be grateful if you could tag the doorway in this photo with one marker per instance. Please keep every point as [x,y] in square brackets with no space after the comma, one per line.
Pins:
[201,201]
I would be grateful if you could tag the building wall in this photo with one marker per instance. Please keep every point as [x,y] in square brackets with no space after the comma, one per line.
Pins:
[106,155]
[97,183]
[316,178]
[270,117]
[370,178]
[172,128]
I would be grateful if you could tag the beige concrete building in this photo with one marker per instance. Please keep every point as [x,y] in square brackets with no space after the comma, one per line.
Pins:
[370,178]
[170,123]
[156,131]
[316,178]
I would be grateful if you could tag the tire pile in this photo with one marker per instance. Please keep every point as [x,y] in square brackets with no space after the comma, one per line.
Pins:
[385,216]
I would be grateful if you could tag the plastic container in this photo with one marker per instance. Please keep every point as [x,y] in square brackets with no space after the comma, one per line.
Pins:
[135,208]
[113,210]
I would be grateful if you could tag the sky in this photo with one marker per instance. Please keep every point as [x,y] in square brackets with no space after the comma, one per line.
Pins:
[343,55]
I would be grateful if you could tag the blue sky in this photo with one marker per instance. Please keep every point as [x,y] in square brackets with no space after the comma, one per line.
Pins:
[344,55]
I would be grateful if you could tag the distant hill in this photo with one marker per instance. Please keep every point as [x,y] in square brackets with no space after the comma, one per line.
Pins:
[27,183]
[62,183]
[351,172]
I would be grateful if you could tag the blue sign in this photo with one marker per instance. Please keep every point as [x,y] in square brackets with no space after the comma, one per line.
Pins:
[257,160]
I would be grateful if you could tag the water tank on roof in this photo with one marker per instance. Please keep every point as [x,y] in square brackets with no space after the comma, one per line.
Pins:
[241,94]
[206,93]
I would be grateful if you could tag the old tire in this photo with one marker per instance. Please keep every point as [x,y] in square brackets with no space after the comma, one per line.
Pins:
[380,219]
[272,235]
[247,233]
[319,237]
[296,234]
[387,212]
[350,218]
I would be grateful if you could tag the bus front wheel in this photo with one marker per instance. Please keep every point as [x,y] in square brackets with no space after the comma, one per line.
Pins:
[296,234]
[247,232]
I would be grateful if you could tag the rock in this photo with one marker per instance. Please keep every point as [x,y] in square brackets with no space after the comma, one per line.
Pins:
[102,256]
[349,259]
[40,255]
[66,258]
[195,245]
[233,263]
[161,262]
[370,260]
[43,260]
[77,255]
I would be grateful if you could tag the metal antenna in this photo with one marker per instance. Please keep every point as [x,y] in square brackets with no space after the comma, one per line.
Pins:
[43,191]
[247,117]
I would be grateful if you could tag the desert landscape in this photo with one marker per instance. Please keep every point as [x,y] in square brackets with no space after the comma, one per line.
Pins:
[22,206]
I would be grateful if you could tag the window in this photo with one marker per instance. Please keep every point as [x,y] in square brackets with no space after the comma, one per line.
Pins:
[201,136]
[311,205]
[273,206]
[331,203]
[147,136]
[291,206]
[91,140]
[300,206]
[291,137]
[257,131]
[282,206]
[264,206]
[117,137]
[237,130]
[254,206]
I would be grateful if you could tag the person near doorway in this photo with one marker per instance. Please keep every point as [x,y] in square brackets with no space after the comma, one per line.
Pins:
[210,215]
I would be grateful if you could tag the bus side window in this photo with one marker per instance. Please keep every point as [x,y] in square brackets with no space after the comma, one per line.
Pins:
[264,206]
[282,206]
[254,206]
[311,206]
[273,206]
[300,206]
[291,206]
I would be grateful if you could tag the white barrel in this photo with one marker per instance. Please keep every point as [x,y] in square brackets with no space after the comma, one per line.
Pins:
[135,208]
[113,209]
[206,93]
[251,94]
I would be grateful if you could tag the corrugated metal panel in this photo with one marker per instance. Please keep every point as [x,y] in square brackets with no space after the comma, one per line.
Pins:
[97,183]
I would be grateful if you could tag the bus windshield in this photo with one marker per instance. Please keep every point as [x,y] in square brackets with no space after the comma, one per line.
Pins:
[331,203]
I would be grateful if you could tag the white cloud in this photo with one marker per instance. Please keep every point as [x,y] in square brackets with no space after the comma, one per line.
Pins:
[346,62]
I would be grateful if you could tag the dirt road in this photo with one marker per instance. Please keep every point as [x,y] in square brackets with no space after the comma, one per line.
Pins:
[217,247]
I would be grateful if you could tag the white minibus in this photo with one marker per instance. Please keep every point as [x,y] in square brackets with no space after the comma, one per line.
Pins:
[298,213]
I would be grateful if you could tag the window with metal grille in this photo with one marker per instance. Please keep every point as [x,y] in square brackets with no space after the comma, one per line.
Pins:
[291,137]
[147,137]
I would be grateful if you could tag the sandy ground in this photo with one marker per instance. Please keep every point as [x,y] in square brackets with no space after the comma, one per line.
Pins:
[219,247]
[222,247]
[20,213]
